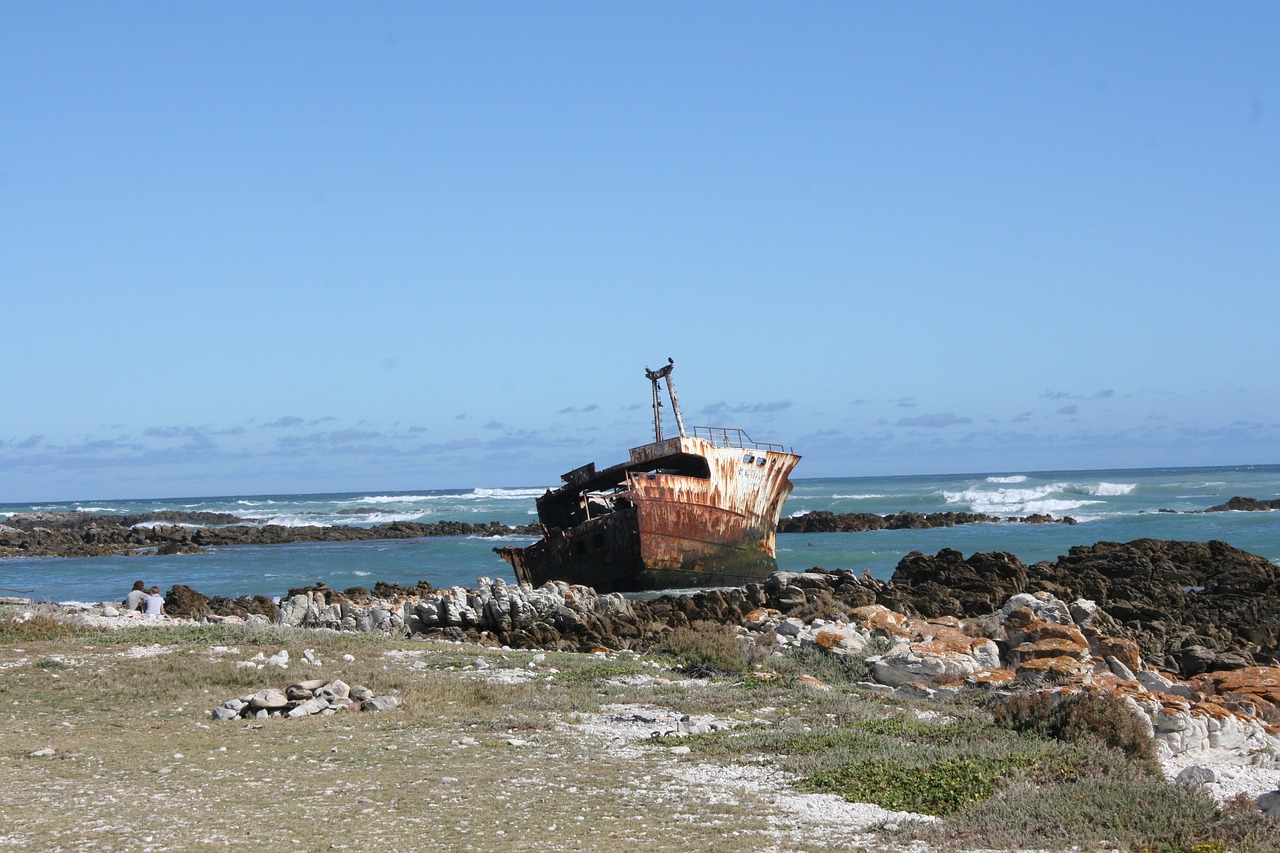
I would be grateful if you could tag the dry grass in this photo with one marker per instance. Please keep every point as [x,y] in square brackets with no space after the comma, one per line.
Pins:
[139,764]
[490,759]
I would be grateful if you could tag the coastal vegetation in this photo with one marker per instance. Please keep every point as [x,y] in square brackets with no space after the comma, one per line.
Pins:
[107,741]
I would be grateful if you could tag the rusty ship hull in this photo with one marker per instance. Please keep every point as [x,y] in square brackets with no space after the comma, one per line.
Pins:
[692,511]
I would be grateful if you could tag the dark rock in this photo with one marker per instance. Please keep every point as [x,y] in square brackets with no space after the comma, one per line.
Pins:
[1196,604]
[257,605]
[184,602]
[823,521]
[1239,504]
[87,534]
[950,585]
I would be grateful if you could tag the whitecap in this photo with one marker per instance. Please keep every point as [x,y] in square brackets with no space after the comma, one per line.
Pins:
[393,499]
[1054,507]
[1046,499]
[855,497]
[1013,478]
[293,521]
[388,517]
[508,494]
[1110,490]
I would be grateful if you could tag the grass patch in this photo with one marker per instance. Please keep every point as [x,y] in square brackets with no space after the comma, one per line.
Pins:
[905,763]
[15,630]
[129,727]
[599,670]
[1130,811]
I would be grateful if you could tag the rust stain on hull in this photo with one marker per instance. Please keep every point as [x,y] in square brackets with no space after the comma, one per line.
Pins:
[696,510]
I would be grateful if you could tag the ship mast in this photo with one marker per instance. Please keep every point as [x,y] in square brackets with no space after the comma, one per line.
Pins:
[653,376]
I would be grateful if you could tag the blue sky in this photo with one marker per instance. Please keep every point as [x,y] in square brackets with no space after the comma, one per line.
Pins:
[265,248]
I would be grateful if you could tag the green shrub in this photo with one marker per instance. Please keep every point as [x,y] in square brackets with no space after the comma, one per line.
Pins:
[707,648]
[1129,810]
[828,667]
[1097,716]
[934,789]
[596,671]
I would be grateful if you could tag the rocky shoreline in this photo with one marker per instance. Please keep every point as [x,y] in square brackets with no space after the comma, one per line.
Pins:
[1184,632]
[1189,607]
[90,534]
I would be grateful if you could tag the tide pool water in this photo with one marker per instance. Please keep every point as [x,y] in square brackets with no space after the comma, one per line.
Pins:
[1109,505]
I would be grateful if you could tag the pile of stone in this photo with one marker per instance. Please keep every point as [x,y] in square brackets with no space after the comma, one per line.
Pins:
[305,698]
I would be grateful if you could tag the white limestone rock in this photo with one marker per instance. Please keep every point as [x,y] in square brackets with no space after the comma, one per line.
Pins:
[916,662]
[1042,604]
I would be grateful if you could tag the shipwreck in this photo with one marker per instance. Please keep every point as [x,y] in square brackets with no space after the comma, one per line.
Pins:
[698,509]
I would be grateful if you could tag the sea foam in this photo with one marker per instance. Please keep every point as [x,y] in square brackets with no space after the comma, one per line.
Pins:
[1035,500]
[508,494]
[1109,490]
[396,499]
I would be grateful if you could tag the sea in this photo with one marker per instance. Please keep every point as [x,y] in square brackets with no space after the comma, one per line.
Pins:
[1117,505]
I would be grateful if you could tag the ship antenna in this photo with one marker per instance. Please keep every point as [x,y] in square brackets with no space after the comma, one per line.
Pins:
[653,377]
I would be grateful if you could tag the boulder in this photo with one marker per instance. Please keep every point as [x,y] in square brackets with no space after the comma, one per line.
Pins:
[269,699]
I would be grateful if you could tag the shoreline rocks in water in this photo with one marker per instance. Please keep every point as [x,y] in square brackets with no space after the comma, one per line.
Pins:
[1239,504]
[822,521]
[87,534]
[91,534]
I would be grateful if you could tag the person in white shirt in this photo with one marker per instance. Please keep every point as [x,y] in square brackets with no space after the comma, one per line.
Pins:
[155,604]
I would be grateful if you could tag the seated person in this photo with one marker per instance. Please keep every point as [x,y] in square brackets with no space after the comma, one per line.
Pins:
[137,597]
[155,604]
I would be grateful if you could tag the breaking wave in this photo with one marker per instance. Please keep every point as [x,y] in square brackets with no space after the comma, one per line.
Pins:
[398,499]
[508,494]
[1014,496]
[1050,499]
[1110,490]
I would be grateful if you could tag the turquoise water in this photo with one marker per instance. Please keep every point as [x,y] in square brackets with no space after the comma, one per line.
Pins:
[1111,505]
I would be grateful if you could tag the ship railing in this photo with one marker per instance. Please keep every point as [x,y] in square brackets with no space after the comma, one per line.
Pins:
[733,437]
